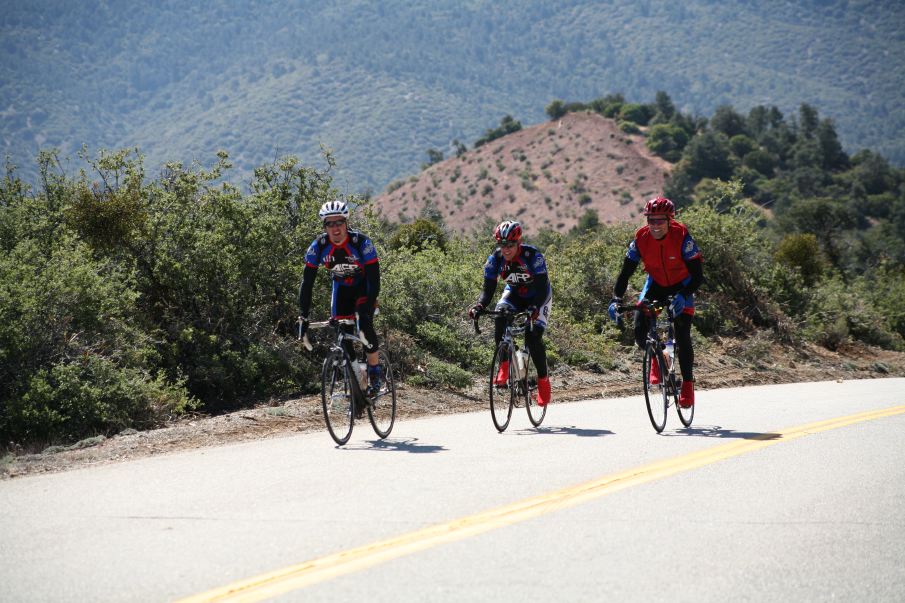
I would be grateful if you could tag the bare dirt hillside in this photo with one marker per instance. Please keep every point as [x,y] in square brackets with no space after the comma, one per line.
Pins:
[546,175]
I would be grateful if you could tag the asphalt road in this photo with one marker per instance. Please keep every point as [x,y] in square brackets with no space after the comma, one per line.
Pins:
[745,505]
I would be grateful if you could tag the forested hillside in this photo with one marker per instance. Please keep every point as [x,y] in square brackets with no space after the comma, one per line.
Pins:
[380,82]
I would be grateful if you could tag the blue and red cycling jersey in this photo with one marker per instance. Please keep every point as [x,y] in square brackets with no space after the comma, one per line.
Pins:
[345,262]
[525,276]
[355,269]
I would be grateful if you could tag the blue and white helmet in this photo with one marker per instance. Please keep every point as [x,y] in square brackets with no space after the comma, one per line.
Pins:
[334,208]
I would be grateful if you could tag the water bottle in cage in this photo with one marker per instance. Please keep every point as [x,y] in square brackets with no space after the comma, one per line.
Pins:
[521,362]
[361,371]
[669,352]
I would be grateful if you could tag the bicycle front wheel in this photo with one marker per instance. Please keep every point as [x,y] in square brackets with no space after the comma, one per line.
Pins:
[502,396]
[382,407]
[686,415]
[528,389]
[655,393]
[337,398]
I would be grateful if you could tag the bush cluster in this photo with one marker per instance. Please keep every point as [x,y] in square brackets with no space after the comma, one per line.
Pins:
[127,299]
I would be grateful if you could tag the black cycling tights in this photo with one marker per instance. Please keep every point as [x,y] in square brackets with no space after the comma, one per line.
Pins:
[534,341]
[683,340]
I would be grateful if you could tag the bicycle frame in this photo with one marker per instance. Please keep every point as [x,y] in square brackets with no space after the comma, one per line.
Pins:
[337,348]
[521,387]
[353,396]
[655,312]
[660,323]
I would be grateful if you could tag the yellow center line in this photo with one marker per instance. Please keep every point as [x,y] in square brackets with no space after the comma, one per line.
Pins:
[298,576]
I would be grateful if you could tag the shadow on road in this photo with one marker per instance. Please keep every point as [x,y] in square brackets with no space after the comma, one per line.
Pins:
[410,445]
[581,432]
[715,431]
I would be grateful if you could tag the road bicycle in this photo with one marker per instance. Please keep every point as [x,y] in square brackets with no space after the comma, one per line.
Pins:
[344,383]
[660,347]
[520,387]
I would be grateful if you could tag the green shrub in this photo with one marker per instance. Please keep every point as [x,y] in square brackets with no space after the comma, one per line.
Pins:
[418,234]
[436,372]
[448,344]
[737,259]
[629,127]
[667,141]
[802,252]
[741,145]
[71,399]
[555,109]
[635,113]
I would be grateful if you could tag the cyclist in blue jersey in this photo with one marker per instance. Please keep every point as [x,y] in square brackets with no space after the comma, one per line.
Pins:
[674,267]
[351,259]
[524,270]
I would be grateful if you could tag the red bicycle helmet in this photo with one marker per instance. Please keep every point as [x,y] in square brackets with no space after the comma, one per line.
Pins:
[660,206]
[508,230]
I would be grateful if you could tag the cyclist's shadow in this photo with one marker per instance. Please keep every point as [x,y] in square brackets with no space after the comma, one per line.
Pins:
[409,445]
[572,430]
[717,431]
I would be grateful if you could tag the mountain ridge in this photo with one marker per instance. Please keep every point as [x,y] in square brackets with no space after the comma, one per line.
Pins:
[381,82]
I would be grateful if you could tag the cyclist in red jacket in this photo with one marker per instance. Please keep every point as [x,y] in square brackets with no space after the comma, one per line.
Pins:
[674,266]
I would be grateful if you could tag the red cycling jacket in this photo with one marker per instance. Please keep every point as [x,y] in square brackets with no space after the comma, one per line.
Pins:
[664,260]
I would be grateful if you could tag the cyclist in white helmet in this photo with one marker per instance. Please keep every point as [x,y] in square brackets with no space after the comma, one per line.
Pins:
[352,260]
[524,270]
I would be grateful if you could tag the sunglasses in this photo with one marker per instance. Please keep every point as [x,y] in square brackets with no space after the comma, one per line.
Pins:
[508,244]
[333,223]
[657,220]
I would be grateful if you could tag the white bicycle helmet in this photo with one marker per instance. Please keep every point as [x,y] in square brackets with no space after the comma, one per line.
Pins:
[334,208]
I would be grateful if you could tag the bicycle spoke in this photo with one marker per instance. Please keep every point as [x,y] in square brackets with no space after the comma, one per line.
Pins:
[655,394]
[502,396]
[536,413]
[382,407]
[337,399]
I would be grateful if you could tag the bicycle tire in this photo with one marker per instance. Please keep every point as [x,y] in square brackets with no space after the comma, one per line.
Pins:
[654,394]
[686,415]
[337,398]
[502,398]
[382,407]
[528,391]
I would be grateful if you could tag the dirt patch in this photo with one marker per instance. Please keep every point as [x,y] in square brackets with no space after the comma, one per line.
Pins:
[723,363]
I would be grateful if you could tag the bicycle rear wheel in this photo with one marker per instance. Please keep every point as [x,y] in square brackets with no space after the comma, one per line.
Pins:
[528,390]
[655,394]
[337,398]
[382,407]
[502,397]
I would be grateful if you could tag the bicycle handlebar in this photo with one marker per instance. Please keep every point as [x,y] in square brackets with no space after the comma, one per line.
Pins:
[648,307]
[508,313]
[332,322]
